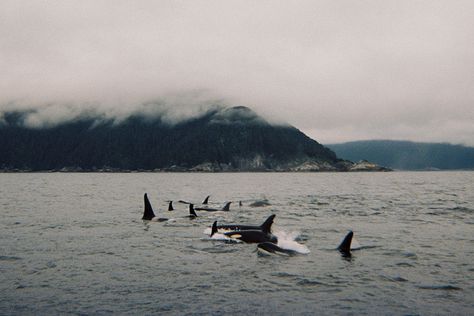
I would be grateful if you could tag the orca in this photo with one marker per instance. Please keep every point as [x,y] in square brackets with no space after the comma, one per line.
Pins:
[266,226]
[148,214]
[248,236]
[260,203]
[345,246]
[226,208]
[206,200]
[269,247]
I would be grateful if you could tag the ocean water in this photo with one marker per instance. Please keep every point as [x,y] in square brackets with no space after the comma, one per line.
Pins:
[73,243]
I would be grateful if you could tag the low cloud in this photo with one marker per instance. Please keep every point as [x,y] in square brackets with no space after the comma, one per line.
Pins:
[337,70]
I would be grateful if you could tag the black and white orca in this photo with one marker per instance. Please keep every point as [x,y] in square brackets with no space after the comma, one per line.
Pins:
[345,246]
[148,214]
[226,208]
[266,226]
[248,236]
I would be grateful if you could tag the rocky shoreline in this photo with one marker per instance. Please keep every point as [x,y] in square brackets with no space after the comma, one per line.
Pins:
[306,166]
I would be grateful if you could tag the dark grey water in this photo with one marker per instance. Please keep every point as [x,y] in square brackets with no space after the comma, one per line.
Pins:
[75,244]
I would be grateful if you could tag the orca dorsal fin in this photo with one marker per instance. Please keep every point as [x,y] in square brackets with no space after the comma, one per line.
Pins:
[170,206]
[206,200]
[226,207]
[191,210]
[148,213]
[267,225]
[214,228]
[345,246]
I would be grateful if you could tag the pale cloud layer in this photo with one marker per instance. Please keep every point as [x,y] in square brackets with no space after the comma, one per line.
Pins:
[338,70]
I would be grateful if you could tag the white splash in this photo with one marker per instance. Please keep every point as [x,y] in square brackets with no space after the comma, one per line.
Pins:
[286,240]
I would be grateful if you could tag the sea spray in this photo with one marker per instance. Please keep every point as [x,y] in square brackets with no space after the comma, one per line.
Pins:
[286,240]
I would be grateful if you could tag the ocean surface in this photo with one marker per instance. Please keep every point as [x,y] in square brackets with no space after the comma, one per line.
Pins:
[73,243]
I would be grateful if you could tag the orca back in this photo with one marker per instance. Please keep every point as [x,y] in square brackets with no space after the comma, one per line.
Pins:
[252,236]
[148,213]
[265,227]
[273,248]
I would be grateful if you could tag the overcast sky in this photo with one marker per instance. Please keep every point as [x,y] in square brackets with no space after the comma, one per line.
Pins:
[337,70]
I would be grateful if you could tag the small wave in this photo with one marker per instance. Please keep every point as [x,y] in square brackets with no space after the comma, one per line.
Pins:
[283,274]
[308,282]
[355,245]
[462,209]
[447,287]
[9,258]
[219,250]
[394,278]
[410,255]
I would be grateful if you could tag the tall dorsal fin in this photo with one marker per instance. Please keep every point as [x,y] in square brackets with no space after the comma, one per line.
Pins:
[226,207]
[148,213]
[191,210]
[206,200]
[267,225]
[345,246]
[170,206]
[214,228]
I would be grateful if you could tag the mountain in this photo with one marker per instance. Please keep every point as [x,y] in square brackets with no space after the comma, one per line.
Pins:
[221,139]
[405,155]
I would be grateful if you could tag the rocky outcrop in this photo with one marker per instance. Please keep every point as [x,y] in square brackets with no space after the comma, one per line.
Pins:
[365,165]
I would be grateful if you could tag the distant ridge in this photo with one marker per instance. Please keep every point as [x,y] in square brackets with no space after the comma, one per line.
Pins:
[406,155]
[220,139]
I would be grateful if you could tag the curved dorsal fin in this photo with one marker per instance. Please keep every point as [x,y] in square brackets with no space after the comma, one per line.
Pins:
[214,228]
[191,210]
[206,200]
[345,246]
[170,206]
[148,213]
[226,207]
[267,225]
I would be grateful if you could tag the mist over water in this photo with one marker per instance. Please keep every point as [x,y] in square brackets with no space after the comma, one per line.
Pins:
[75,244]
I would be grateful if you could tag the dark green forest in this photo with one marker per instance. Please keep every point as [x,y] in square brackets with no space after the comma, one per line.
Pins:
[220,136]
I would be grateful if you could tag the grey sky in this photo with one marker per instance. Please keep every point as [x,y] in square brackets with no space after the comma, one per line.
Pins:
[338,70]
